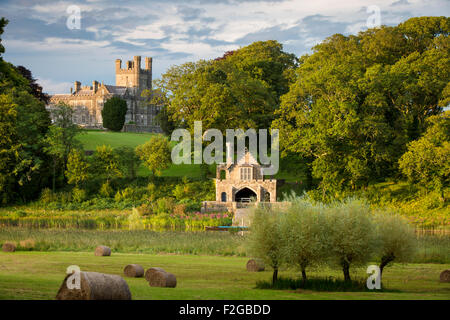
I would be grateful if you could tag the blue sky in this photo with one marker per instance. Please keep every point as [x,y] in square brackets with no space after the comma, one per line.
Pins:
[175,31]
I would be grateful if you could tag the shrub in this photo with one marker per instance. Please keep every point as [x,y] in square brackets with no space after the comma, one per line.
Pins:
[113,113]
[165,205]
[47,196]
[78,195]
[179,209]
[106,190]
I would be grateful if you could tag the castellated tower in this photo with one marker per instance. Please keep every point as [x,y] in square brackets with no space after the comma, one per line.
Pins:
[132,75]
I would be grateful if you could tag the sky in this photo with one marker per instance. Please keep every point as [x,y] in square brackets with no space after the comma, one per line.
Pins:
[44,37]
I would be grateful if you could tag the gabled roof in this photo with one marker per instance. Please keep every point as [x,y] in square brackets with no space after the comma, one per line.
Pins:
[116,89]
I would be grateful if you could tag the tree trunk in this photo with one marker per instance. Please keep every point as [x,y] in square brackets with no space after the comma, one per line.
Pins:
[385,260]
[346,270]
[304,275]
[274,276]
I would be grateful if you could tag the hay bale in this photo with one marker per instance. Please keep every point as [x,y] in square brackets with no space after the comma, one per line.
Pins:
[102,251]
[96,286]
[9,247]
[134,271]
[255,265]
[157,277]
[445,276]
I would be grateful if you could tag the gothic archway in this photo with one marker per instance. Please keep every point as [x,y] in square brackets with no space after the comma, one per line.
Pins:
[245,195]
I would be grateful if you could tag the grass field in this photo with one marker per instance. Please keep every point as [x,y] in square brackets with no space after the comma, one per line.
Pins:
[38,275]
[90,139]
[93,138]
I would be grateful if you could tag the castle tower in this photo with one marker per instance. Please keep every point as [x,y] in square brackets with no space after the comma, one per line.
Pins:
[132,75]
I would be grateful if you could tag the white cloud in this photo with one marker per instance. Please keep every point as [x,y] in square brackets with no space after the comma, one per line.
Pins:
[52,87]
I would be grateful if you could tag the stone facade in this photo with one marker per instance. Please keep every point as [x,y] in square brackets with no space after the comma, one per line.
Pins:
[243,182]
[88,101]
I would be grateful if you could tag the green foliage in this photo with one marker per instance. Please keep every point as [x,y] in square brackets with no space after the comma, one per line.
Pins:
[78,195]
[113,113]
[106,190]
[357,100]
[129,161]
[396,239]
[427,161]
[239,91]
[304,235]
[266,239]
[155,154]
[106,163]
[77,168]
[351,234]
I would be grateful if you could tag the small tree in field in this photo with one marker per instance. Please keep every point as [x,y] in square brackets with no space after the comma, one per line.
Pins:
[265,241]
[77,168]
[106,163]
[113,114]
[304,235]
[396,240]
[155,154]
[351,234]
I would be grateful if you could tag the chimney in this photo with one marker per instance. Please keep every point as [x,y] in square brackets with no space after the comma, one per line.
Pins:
[118,64]
[77,86]
[137,63]
[94,86]
[71,90]
[148,63]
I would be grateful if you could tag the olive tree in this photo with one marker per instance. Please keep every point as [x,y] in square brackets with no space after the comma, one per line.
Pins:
[351,234]
[303,234]
[396,239]
[265,241]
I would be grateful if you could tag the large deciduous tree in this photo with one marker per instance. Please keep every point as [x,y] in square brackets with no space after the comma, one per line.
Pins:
[357,100]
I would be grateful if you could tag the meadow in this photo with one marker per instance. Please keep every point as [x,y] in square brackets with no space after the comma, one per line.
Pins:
[38,275]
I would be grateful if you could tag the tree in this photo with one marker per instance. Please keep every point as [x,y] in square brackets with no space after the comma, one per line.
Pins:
[36,89]
[106,163]
[396,239]
[61,138]
[303,235]
[357,100]
[427,159]
[128,159]
[351,235]
[155,154]
[24,168]
[77,171]
[113,113]
[265,240]
[241,90]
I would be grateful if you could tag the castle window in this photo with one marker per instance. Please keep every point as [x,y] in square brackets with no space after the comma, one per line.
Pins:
[246,174]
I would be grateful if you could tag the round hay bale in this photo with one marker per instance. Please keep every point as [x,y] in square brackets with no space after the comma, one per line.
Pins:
[255,265]
[157,277]
[102,251]
[445,276]
[9,247]
[134,271]
[96,286]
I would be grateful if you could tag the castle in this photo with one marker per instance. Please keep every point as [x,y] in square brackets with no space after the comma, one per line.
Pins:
[87,101]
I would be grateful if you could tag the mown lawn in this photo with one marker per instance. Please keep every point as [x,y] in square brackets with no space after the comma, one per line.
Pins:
[38,275]
[93,138]
[90,139]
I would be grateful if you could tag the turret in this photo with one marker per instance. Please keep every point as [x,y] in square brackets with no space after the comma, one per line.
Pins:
[77,86]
